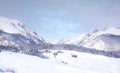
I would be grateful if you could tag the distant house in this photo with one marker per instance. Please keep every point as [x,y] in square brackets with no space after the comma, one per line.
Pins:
[74,55]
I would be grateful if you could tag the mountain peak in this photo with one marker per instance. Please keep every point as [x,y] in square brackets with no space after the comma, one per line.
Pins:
[98,39]
[13,26]
[93,30]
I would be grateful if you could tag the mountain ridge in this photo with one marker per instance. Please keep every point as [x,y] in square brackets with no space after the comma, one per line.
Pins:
[14,26]
[92,38]
[14,36]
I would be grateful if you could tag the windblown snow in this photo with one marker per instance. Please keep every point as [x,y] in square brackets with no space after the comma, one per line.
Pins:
[62,62]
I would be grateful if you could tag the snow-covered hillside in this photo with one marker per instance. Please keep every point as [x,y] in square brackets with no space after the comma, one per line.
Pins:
[13,32]
[98,39]
[58,62]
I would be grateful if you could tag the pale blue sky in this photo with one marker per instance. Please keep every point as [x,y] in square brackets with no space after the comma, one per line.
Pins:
[58,19]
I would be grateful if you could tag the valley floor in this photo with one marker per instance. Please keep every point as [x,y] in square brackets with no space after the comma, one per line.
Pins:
[58,62]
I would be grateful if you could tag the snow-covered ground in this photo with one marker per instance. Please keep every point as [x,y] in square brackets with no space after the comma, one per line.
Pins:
[58,62]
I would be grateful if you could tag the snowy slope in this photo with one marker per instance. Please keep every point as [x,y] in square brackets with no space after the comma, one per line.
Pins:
[11,30]
[96,39]
[15,26]
[63,62]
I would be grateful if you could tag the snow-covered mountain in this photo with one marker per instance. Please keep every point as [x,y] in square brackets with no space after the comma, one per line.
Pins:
[107,39]
[14,33]
[22,51]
